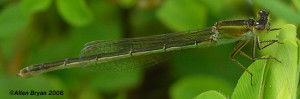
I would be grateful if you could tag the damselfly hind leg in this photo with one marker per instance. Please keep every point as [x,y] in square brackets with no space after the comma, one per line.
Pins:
[240,45]
[236,50]
[274,29]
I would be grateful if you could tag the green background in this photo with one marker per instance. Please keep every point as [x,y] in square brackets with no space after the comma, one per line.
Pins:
[37,31]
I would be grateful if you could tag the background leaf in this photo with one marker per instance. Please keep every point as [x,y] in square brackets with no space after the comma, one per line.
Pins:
[211,95]
[189,87]
[30,7]
[12,22]
[75,12]
[179,15]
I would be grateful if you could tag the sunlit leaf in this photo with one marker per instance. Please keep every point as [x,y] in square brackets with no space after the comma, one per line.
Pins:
[244,89]
[286,72]
[284,93]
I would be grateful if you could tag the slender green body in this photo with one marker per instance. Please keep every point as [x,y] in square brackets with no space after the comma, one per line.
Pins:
[107,55]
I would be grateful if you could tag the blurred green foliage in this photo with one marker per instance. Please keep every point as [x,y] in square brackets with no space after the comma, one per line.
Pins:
[75,12]
[29,7]
[37,31]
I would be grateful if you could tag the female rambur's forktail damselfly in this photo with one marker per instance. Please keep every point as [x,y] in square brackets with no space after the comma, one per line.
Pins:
[113,51]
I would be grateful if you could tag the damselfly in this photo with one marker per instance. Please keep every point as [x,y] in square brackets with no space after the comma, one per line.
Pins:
[97,53]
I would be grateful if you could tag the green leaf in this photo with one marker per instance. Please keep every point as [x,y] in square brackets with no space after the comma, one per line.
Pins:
[271,79]
[211,95]
[298,72]
[75,12]
[286,72]
[284,93]
[182,14]
[190,86]
[244,90]
[30,7]
[215,8]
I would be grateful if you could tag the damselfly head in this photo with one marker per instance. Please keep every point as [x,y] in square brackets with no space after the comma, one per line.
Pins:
[262,22]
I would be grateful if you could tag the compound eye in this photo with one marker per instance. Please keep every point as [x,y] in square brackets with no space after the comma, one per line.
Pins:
[263,12]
